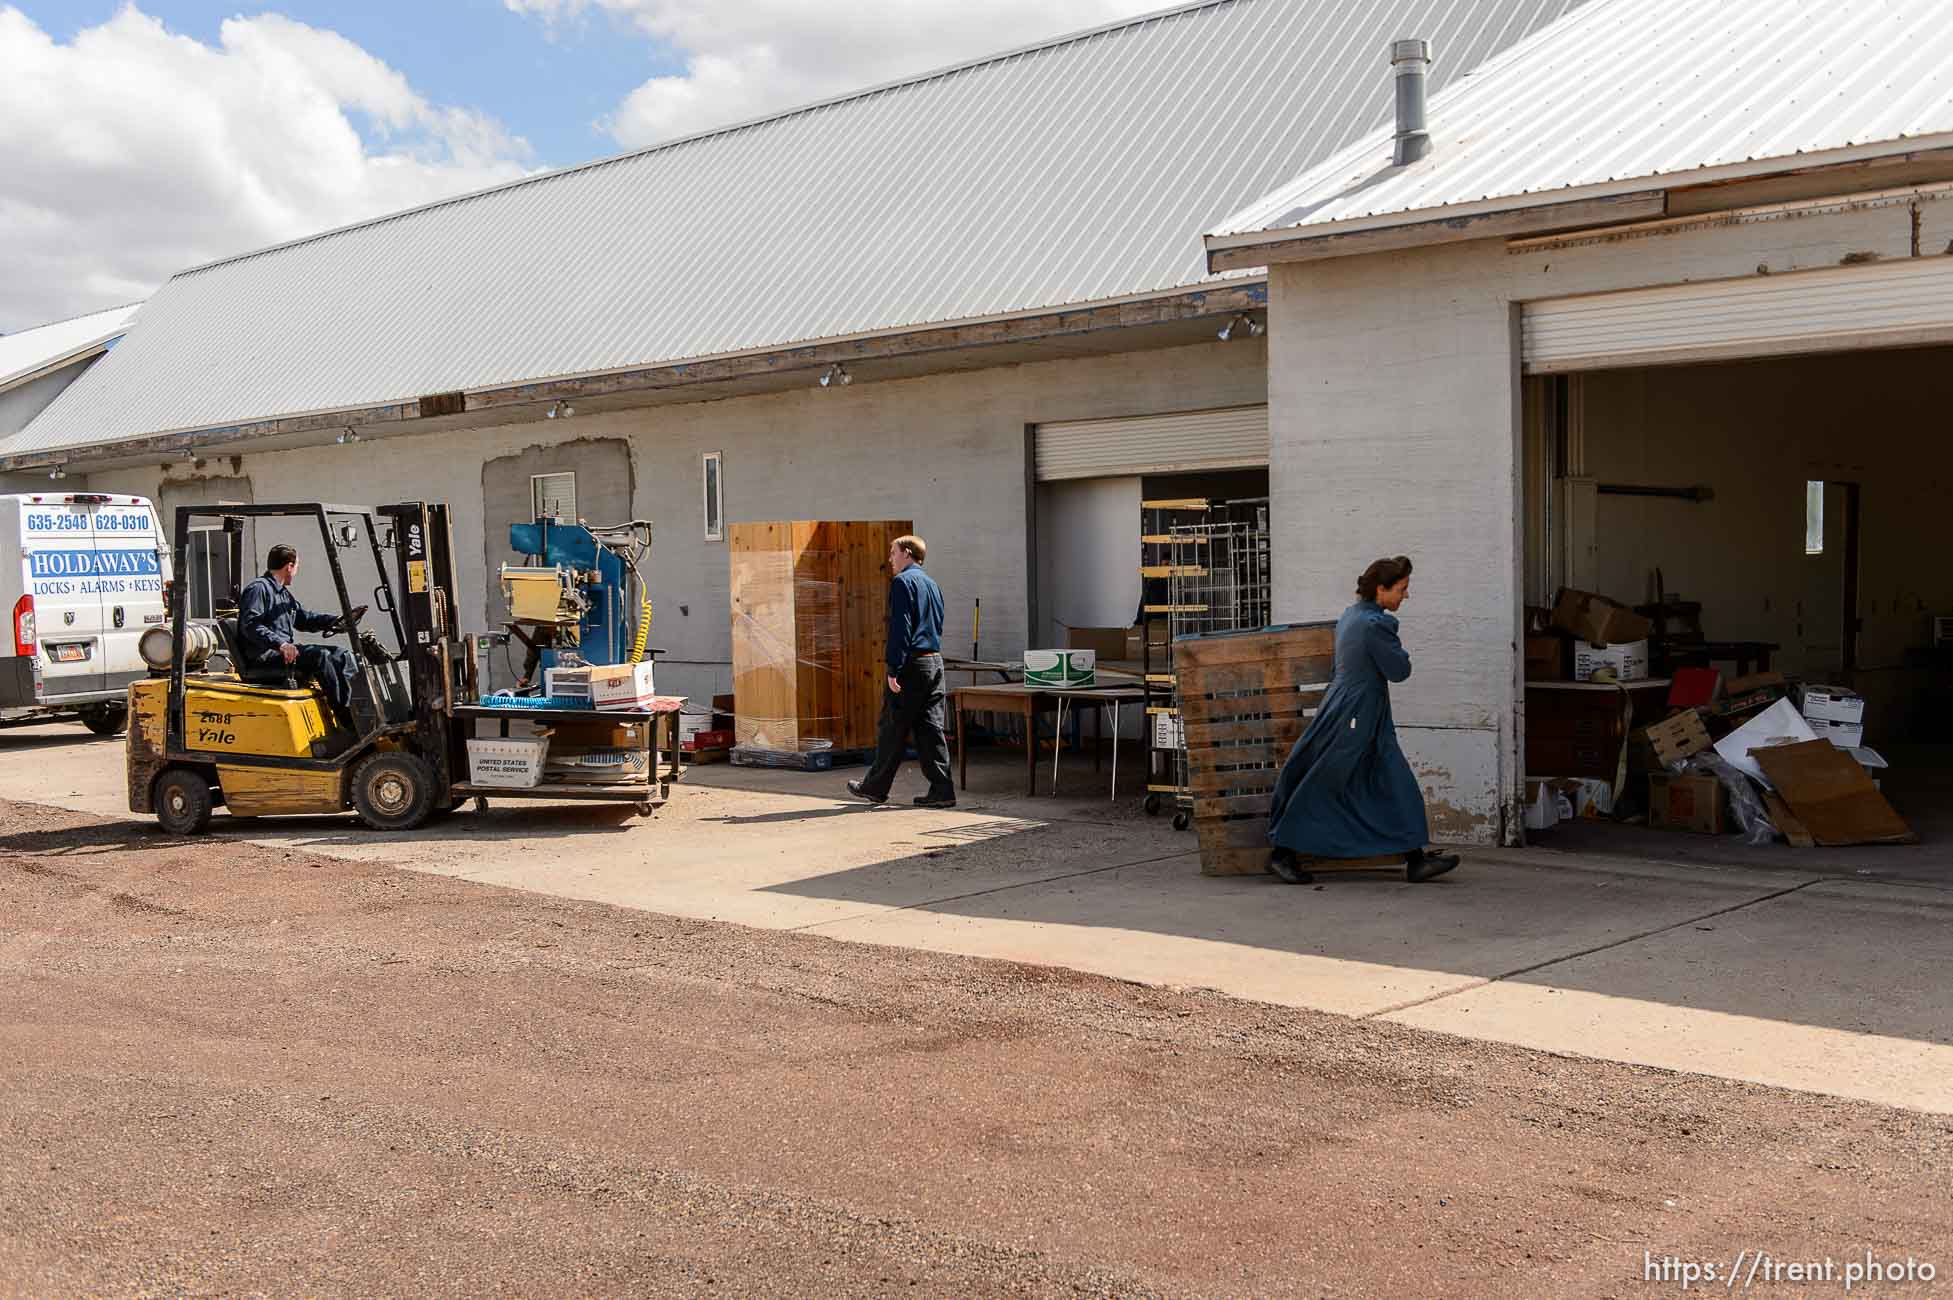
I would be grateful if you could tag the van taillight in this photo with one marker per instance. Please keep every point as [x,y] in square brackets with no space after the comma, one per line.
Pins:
[169,596]
[24,626]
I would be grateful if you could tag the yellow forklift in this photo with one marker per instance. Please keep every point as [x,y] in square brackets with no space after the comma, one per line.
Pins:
[260,741]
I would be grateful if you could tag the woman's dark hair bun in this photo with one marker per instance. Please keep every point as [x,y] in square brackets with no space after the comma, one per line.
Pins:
[1383,573]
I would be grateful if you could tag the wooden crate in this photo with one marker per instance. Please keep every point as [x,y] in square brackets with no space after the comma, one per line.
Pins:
[1245,698]
[809,622]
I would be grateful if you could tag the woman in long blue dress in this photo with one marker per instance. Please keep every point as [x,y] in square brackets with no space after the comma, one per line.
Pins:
[1347,790]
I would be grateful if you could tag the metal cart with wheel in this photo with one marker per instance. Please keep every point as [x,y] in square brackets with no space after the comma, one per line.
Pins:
[659,766]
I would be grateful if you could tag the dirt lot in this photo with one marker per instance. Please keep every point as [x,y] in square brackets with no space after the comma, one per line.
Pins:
[232,1070]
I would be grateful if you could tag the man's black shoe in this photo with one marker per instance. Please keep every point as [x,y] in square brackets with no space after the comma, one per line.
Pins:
[935,801]
[860,791]
[1428,866]
[1282,862]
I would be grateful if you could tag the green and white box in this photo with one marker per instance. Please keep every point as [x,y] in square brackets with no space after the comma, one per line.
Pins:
[1064,668]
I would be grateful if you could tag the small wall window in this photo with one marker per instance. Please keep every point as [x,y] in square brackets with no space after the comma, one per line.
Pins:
[553,496]
[712,486]
[1814,517]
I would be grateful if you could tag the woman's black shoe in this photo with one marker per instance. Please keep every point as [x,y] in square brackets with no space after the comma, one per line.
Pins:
[1282,863]
[1422,866]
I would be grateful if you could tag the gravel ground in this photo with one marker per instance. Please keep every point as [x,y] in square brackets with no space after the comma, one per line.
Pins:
[238,1071]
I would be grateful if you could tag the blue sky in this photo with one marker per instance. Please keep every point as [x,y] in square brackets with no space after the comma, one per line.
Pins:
[146,136]
[551,84]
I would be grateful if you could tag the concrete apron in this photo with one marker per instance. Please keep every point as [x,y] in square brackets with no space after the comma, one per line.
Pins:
[1797,980]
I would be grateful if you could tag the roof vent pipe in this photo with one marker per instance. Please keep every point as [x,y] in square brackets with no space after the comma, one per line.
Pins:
[1410,65]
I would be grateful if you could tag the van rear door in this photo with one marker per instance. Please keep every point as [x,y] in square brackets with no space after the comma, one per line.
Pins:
[129,572]
[57,543]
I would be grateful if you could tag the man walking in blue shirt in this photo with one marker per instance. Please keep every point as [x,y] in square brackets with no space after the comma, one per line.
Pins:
[913,702]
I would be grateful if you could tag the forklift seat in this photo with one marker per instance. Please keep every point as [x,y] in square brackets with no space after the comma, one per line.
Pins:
[257,675]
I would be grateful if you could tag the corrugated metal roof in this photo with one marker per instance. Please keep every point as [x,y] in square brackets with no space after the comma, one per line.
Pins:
[1628,90]
[1079,171]
[30,351]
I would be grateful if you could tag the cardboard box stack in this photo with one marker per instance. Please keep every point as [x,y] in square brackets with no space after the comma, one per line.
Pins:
[1611,640]
[1733,754]
[1836,714]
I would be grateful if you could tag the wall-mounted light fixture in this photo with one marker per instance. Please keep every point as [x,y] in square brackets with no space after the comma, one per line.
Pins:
[1242,324]
[836,374]
[564,409]
[347,435]
[57,473]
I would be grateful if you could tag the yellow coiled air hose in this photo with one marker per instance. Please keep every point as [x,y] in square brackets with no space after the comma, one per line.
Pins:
[643,632]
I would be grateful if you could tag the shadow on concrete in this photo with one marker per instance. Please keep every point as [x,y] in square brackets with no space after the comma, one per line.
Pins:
[52,735]
[499,823]
[1767,943]
[797,814]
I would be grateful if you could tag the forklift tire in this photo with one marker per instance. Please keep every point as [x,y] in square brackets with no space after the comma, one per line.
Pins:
[1152,805]
[183,801]
[1181,821]
[393,791]
[109,720]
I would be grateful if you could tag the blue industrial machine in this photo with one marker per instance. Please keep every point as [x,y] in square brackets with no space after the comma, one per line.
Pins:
[580,597]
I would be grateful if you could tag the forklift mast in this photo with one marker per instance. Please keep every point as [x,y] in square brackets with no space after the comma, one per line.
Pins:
[423,544]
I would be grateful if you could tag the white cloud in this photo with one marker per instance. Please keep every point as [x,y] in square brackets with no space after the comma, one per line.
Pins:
[757,56]
[132,153]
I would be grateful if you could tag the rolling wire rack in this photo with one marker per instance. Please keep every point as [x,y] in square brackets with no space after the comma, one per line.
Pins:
[1218,580]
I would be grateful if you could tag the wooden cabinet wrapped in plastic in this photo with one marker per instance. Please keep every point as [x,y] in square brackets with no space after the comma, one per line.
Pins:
[809,617]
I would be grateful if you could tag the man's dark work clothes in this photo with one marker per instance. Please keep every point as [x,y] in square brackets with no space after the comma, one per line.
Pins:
[268,616]
[915,642]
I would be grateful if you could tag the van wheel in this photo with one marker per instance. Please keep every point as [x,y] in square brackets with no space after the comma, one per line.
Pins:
[183,801]
[393,791]
[109,720]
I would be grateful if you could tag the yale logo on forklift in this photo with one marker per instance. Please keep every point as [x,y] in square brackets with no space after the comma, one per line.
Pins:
[213,728]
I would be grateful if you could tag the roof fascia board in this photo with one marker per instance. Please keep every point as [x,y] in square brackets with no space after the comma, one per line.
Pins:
[1456,227]
[1245,293]
[46,368]
[1434,220]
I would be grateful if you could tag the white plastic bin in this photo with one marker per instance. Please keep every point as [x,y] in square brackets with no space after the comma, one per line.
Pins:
[510,764]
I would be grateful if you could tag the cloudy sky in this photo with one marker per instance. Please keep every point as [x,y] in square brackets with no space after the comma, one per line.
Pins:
[143,137]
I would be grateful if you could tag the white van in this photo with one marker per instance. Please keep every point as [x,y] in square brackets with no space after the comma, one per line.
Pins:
[81,578]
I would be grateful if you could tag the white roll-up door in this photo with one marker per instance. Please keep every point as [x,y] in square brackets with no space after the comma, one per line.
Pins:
[1233,438]
[1882,304]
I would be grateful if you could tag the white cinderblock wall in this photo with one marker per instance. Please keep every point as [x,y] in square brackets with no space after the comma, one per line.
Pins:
[945,450]
[1394,414]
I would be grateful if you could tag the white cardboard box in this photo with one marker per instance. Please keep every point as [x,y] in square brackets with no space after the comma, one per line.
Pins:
[1060,668]
[1834,704]
[1628,659]
[511,764]
[1837,714]
[1844,735]
[622,686]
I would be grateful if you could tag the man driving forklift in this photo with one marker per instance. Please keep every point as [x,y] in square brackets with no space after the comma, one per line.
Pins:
[269,615]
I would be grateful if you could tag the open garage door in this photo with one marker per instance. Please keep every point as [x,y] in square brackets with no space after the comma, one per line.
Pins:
[1880,305]
[1231,438]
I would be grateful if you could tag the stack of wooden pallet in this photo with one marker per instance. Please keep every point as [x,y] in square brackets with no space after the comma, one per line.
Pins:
[1246,698]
